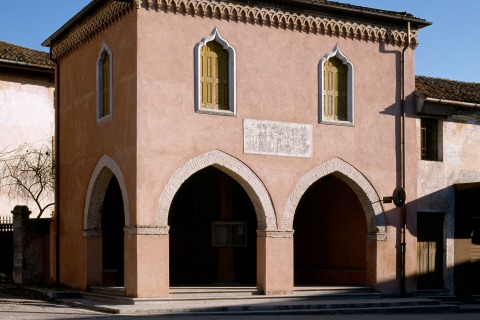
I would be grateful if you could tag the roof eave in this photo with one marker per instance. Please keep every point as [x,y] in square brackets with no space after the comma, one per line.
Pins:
[70,23]
[330,6]
[26,66]
[363,11]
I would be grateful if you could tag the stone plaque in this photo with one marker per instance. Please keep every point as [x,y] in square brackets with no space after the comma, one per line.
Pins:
[277,138]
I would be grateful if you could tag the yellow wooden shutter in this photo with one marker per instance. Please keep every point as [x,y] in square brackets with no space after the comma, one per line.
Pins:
[335,90]
[214,77]
[106,84]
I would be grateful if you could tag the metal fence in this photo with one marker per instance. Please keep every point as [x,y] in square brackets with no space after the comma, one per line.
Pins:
[6,247]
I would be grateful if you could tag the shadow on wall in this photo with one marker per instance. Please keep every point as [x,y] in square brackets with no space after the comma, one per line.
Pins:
[429,225]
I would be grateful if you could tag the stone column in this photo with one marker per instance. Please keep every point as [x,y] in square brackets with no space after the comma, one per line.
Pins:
[147,261]
[94,256]
[20,213]
[275,262]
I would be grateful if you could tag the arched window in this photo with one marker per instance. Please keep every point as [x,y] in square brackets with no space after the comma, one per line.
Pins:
[104,84]
[335,90]
[336,80]
[214,75]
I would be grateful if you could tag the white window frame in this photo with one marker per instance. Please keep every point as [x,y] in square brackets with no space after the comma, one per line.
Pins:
[350,89]
[215,36]
[107,50]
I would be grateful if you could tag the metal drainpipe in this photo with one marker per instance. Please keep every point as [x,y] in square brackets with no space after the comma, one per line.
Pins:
[403,155]
[57,166]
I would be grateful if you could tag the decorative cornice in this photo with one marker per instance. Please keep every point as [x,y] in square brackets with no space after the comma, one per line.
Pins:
[281,19]
[146,230]
[275,233]
[235,12]
[103,18]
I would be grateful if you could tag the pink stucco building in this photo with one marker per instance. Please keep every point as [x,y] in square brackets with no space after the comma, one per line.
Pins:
[231,142]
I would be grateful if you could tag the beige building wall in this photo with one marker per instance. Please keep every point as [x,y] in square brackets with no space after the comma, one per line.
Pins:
[459,164]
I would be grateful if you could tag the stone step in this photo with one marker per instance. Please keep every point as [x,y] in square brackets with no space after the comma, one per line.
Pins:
[205,294]
[226,299]
[112,291]
[242,307]
[443,295]
[433,293]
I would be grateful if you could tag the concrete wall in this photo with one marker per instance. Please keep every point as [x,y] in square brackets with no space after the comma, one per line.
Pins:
[31,248]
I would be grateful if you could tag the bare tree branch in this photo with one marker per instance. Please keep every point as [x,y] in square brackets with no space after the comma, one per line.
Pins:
[26,173]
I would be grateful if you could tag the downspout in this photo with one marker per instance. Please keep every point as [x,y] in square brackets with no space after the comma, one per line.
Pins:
[403,170]
[57,166]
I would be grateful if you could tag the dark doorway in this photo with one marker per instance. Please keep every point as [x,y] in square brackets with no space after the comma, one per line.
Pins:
[113,222]
[430,250]
[467,240]
[212,232]
[330,236]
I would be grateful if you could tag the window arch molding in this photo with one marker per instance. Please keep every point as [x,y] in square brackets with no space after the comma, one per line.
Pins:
[350,121]
[215,36]
[104,112]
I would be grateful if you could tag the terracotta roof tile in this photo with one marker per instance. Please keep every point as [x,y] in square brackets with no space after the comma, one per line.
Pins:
[365,9]
[444,89]
[16,54]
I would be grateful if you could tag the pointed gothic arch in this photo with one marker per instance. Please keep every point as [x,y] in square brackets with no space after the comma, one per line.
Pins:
[368,197]
[97,187]
[233,167]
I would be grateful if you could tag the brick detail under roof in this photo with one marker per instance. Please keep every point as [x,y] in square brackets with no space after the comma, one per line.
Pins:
[437,88]
[16,54]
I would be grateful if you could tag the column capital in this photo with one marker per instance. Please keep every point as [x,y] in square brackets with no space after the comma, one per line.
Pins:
[146,230]
[275,233]
[91,233]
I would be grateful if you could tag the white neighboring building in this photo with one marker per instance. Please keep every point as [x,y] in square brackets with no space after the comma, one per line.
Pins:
[448,218]
[26,103]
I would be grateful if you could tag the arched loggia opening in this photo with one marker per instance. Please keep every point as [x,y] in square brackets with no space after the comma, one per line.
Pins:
[364,213]
[245,177]
[105,216]
[212,232]
[112,235]
[330,236]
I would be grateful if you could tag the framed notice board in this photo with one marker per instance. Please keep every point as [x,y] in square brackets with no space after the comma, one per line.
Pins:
[229,234]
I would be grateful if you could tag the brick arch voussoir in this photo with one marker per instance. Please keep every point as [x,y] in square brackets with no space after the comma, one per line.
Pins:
[104,170]
[233,167]
[368,197]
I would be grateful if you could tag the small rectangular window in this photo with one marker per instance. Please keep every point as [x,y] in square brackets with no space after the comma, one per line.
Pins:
[429,144]
[229,234]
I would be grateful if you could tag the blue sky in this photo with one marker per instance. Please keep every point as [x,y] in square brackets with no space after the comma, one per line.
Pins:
[449,48]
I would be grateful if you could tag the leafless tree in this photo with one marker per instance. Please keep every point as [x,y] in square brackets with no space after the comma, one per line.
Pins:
[27,173]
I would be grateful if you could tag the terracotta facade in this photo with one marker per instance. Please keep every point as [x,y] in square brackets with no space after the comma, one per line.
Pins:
[156,143]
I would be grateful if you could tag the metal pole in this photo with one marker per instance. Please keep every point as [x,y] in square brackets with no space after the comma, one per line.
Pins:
[403,169]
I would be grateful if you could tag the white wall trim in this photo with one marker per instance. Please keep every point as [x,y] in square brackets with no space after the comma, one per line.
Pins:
[97,187]
[215,36]
[350,88]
